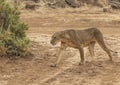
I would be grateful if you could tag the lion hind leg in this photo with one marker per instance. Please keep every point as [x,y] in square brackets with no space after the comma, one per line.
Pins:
[91,49]
[108,52]
[104,47]
[100,40]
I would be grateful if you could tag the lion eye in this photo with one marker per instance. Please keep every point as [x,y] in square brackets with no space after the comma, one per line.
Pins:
[54,37]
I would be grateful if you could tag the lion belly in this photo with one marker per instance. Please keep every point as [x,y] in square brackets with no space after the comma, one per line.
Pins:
[70,44]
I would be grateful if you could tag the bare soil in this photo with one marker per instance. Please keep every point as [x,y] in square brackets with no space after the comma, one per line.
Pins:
[35,69]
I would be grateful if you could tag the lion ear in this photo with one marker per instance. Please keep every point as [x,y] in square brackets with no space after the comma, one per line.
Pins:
[64,34]
[67,36]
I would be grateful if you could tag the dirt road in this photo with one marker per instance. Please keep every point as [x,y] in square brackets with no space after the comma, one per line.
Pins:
[35,69]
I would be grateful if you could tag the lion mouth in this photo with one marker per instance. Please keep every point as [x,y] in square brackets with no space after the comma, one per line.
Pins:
[53,43]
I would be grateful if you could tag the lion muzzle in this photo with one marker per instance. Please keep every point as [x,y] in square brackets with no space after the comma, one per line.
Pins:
[53,42]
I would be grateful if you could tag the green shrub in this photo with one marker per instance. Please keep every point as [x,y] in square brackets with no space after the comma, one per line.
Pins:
[13,40]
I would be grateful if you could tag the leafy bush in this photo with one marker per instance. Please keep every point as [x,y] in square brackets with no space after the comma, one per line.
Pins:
[13,40]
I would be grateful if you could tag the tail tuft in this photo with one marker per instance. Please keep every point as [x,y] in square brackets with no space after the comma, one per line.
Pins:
[115,54]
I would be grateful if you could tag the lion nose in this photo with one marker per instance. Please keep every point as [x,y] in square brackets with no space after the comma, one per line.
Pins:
[51,42]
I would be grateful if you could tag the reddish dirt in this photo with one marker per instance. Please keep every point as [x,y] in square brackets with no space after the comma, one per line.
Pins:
[35,69]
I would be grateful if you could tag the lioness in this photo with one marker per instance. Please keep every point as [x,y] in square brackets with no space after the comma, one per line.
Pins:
[79,39]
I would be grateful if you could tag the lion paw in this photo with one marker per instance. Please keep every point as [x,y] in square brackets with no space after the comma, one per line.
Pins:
[53,65]
[81,63]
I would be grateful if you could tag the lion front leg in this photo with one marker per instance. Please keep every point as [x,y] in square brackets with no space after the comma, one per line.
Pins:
[58,59]
[91,50]
[60,53]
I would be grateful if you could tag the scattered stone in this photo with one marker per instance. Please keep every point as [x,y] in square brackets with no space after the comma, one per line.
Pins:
[72,3]
[31,5]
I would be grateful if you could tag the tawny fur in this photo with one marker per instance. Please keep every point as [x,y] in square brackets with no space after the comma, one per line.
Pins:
[79,39]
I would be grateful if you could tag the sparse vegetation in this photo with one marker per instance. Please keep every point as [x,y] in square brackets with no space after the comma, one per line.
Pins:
[13,40]
[34,4]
